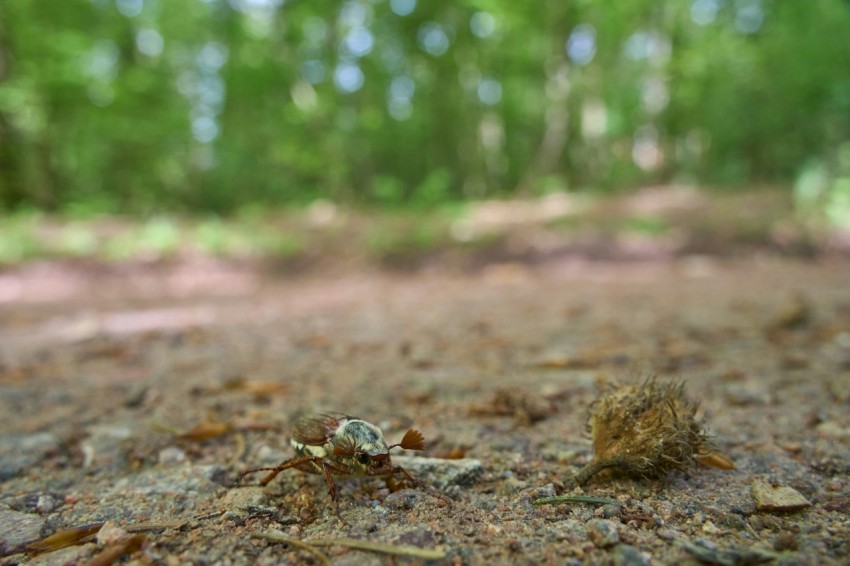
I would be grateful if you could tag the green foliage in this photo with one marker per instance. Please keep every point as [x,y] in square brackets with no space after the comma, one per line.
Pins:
[151,106]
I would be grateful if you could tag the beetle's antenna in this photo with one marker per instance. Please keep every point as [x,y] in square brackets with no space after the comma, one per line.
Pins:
[412,440]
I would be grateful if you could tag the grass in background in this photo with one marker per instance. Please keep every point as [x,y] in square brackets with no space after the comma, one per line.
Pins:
[403,237]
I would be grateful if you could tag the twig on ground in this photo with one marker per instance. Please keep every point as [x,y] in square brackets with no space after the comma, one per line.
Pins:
[576,499]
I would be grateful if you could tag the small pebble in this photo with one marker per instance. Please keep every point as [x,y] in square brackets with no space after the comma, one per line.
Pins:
[441,474]
[46,504]
[669,534]
[17,528]
[602,532]
[731,520]
[833,430]
[110,532]
[785,541]
[777,498]
[627,555]
[709,528]
[171,455]
[404,499]
[547,490]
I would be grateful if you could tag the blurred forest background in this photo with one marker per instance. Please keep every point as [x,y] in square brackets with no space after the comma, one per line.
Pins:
[146,107]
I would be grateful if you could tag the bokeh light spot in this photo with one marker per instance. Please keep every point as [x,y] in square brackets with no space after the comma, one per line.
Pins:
[489,91]
[581,46]
[149,42]
[402,7]
[482,24]
[348,77]
[433,39]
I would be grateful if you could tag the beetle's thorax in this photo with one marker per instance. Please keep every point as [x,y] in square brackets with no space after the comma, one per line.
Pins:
[364,436]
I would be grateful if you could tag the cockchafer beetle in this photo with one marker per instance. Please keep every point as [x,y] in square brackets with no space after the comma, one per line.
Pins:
[334,444]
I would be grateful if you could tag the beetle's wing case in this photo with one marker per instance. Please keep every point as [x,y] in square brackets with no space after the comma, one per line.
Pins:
[317,430]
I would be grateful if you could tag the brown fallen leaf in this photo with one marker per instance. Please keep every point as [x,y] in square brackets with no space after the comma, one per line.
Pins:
[206,430]
[64,538]
[116,550]
[525,407]
[715,460]
[256,386]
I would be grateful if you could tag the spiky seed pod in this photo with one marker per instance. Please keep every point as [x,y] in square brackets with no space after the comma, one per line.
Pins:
[647,430]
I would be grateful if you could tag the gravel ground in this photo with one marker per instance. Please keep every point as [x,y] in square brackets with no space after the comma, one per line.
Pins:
[137,404]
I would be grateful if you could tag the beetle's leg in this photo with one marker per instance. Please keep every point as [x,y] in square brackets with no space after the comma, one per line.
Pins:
[291,463]
[399,470]
[329,466]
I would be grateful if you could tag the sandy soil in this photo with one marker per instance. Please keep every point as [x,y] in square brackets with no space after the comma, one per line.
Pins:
[136,399]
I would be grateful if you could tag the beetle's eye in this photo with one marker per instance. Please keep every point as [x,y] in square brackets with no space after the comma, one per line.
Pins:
[363,458]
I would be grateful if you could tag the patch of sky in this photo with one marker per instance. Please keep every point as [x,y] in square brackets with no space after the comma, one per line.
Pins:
[482,24]
[313,71]
[489,91]
[433,39]
[581,45]
[212,56]
[256,7]
[103,60]
[749,16]
[358,41]
[315,30]
[402,7]
[130,8]
[354,14]
[149,42]
[204,129]
[348,77]
[704,12]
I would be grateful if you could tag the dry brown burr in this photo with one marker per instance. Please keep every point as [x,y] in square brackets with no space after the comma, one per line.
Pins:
[647,430]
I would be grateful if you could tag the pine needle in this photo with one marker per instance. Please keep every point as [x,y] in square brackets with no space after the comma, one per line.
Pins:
[277,536]
[380,547]
[576,499]
[397,549]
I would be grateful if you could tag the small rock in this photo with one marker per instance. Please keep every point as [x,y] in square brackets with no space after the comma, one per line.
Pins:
[777,498]
[547,490]
[732,520]
[171,455]
[709,528]
[110,532]
[785,541]
[669,534]
[609,511]
[402,500]
[442,473]
[833,431]
[17,528]
[46,504]
[627,555]
[602,532]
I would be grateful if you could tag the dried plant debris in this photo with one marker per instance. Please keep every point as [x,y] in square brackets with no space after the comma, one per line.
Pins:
[647,430]
[64,538]
[526,408]
[778,498]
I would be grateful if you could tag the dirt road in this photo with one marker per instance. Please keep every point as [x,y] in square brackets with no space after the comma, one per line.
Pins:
[136,399]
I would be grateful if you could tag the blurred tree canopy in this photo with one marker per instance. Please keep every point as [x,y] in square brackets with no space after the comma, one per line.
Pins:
[144,105]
